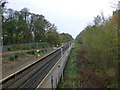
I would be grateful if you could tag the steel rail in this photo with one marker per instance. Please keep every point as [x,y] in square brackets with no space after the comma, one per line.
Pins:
[24,70]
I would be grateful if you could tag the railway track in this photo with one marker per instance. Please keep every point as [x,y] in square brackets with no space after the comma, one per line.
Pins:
[31,75]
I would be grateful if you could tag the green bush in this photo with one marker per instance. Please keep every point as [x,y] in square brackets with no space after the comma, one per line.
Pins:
[16,55]
[9,49]
[12,58]
[31,52]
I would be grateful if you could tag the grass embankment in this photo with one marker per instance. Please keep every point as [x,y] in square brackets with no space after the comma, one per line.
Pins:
[70,72]
[80,72]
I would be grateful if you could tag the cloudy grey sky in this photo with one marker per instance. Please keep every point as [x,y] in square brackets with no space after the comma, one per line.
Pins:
[70,16]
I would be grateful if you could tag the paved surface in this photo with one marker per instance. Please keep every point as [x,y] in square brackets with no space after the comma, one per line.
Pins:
[52,78]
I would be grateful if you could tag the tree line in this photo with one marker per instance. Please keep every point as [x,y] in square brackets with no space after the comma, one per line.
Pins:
[26,27]
[100,42]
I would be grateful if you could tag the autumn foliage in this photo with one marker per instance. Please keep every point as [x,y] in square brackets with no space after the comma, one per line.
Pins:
[100,42]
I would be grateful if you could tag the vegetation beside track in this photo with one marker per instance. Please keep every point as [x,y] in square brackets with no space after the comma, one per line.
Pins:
[80,72]
[70,72]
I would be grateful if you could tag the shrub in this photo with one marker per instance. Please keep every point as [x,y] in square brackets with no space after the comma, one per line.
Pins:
[9,49]
[31,52]
[12,58]
[16,55]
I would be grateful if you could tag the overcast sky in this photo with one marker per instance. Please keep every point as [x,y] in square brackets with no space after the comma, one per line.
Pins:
[70,16]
